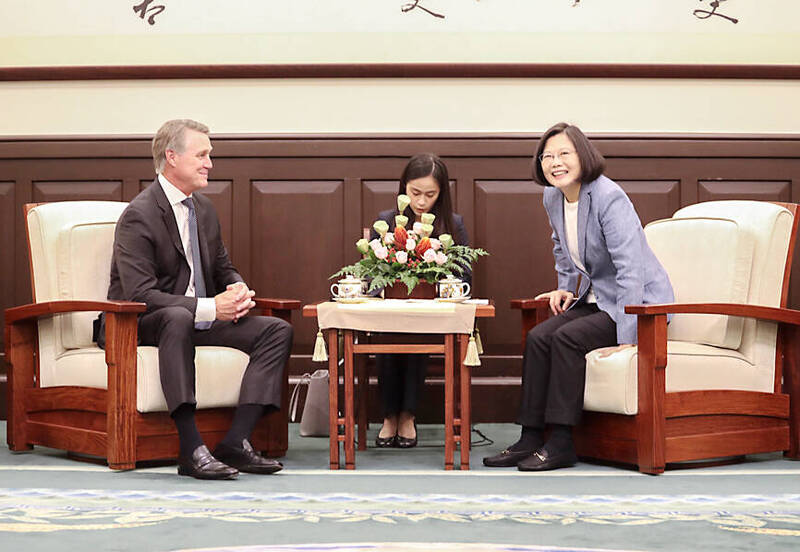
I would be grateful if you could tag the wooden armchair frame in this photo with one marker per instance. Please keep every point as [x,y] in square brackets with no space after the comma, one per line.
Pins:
[694,425]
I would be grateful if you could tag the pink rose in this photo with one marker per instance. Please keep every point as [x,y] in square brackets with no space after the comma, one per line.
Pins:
[441,258]
[410,245]
[429,256]
[435,244]
[388,238]
[375,244]
[382,252]
[417,228]
[401,257]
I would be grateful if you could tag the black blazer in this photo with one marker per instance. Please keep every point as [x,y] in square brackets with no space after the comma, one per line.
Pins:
[460,236]
[149,264]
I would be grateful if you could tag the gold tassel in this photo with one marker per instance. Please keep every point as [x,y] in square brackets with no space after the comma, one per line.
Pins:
[320,354]
[472,358]
[478,341]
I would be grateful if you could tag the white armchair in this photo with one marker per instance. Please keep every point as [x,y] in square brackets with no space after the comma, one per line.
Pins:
[67,393]
[721,379]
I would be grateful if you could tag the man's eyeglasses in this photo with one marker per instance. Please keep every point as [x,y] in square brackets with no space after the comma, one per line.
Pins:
[547,158]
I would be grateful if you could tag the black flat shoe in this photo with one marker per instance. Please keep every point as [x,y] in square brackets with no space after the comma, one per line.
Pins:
[246,459]
[506,458]
[406,442]
[202,465]
[385,442]
[542,460]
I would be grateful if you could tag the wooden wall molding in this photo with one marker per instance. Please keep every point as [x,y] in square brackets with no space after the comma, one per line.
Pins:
[291,208]
[404,70]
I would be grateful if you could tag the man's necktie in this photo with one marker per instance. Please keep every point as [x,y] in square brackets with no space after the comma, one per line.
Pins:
[194,245]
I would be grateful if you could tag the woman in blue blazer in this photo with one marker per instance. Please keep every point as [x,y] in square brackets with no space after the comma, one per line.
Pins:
[401,376]
[597,240]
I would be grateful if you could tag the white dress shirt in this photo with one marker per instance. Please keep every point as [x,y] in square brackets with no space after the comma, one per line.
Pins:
[206,306]
[571,228]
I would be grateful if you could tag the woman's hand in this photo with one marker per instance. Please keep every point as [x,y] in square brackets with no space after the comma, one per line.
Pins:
[559,299]
[608,351]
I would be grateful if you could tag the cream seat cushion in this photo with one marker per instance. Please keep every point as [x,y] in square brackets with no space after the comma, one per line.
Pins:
[218,373]
[612,382]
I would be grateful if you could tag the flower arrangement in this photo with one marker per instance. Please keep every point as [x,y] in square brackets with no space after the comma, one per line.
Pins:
[409,255]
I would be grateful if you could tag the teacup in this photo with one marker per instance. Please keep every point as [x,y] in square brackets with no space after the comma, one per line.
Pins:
[347,288]
[453,288]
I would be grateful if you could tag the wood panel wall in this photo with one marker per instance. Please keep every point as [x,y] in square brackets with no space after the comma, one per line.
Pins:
[291,209]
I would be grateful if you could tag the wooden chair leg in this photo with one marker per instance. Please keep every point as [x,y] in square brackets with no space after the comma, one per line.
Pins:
[791,385]
[20,358]
[121,361]
[650,421]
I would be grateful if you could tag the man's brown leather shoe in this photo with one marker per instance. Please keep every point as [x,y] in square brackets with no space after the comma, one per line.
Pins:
[542,460]
[246,459]
[202,465]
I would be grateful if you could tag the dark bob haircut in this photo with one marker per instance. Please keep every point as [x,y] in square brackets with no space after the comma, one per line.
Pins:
[592,161]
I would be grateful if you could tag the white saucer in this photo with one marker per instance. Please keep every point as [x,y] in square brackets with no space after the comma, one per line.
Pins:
[351,299]
[451,299]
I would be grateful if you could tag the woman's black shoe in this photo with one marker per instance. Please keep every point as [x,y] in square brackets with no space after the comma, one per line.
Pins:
[406,442]
[385,442]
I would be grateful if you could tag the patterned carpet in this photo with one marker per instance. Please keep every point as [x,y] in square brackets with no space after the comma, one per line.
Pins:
[50,510]
[397,501]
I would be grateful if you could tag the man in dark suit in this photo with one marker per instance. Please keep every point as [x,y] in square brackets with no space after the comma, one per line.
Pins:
[168,254]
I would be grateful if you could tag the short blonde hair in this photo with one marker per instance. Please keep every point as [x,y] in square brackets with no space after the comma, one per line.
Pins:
[171,137]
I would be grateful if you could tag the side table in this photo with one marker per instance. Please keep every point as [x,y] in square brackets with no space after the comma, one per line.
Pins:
[456,413]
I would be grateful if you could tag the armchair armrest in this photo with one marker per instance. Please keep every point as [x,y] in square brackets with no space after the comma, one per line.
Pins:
[526,304]
[271,303]
[774,314]
[534,311]
[33,311]
[281,308]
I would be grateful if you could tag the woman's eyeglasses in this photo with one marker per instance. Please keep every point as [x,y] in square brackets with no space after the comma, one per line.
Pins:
[547,157]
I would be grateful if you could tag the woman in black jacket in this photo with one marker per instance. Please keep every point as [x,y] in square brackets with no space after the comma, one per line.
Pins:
[401,376]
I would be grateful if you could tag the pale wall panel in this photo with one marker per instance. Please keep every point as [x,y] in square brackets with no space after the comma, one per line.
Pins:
[401,105]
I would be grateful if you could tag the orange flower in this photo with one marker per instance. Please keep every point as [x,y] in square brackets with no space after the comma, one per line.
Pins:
[423,245]
[400,236]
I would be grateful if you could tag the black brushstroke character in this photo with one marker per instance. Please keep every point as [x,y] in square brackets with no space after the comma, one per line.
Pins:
[705,14]
[414,5]
[144,8]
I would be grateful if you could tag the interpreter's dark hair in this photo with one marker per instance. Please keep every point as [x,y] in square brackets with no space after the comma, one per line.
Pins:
[428,164]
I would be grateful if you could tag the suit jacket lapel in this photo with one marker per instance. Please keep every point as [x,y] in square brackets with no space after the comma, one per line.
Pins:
[584,204]
[168,216]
